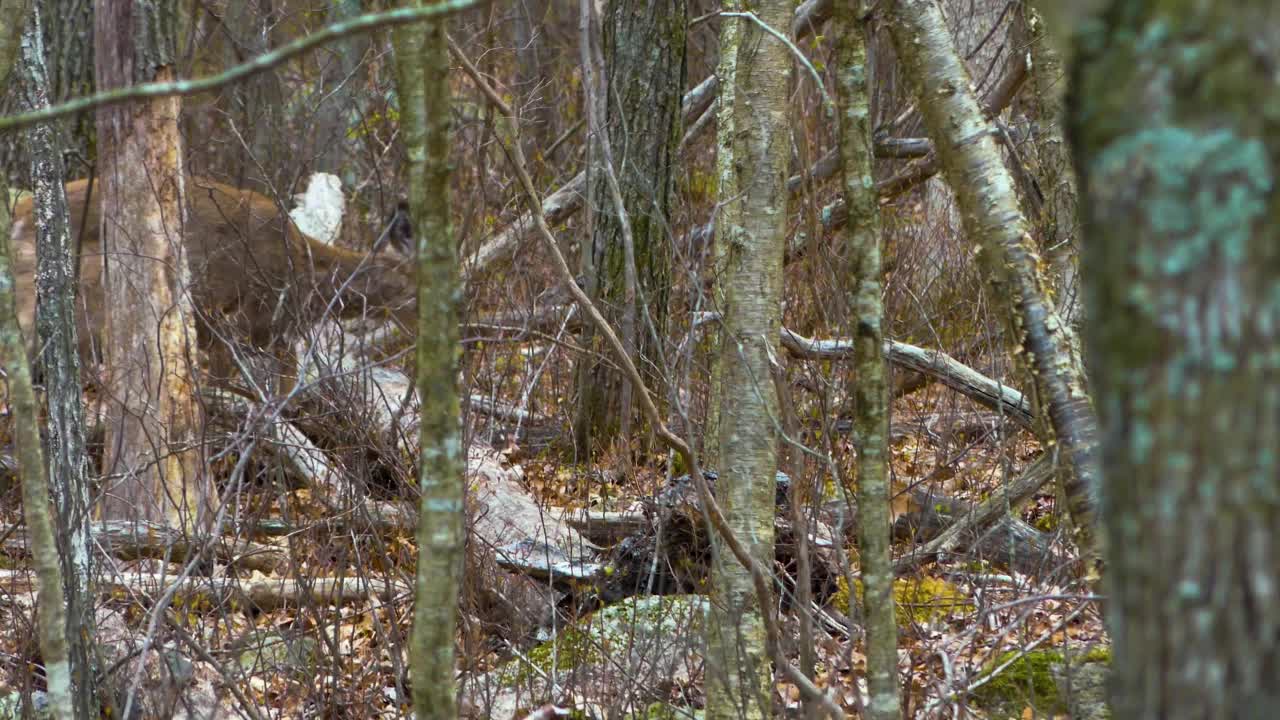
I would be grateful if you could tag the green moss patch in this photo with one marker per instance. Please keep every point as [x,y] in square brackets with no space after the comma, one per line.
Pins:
[917,601]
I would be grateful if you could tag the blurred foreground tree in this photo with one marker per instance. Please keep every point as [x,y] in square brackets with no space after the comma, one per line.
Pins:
[1175,118]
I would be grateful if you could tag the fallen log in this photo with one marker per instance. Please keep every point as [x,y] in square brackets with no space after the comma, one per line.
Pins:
[257,594]
[128,540]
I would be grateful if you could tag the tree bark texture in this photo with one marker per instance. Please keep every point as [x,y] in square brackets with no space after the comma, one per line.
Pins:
[68,43]
[1054,210]
[26,433]
[738,670]
[644,59]
[726,218]
[152,468]
[871,389]
[1175,122]
[422,81]
[984,191]
[60,361]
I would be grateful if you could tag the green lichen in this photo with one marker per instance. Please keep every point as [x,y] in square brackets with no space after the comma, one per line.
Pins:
[916,601]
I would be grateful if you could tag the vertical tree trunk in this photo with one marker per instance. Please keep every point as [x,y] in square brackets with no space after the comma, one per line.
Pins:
[152,466]
[422,80]
[1056,218]
[1175,121]
[984,191]
[341,109]
[871,391]
[60,358]
[738,671]
[26,433]
[644,50]
[68,43]
[725,220]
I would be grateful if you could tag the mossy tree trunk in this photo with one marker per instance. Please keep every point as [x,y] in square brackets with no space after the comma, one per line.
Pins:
[738,669]
[984,191]
[422,83]
[644,62]
[56,337]
[1175,122]
[152,460]
[871,391]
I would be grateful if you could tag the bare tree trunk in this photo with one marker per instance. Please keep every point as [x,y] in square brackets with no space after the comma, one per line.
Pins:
[68,43]
[871,391]
[629,266]
[26,433]
[152,467]
[738,672]
[984,191]
[341,109]
[422,80]
[1056,215]
[1175,122]
[726,218]
[60,358]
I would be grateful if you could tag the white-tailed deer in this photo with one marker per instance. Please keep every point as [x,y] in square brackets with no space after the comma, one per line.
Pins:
[254,277]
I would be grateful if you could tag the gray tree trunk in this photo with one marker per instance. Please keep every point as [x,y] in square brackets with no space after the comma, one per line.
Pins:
[871,390]
[152,457]
[726,218]
[644,63]
[68,43]
[60,359]
[1055,213]
[1175,122]
[422,81]
[26,433]
[984,190]
[738,669]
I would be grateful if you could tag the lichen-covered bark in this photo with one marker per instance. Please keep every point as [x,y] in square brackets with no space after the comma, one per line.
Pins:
[1175,122]
[35,486]
[991,217]
[68,42]
[26,431]
[152,462]
[726,220]
[422,83]
[60,359]
[871,390]
[738,669]
[644,56]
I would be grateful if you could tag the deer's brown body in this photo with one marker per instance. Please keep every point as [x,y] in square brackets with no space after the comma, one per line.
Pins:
[254,277]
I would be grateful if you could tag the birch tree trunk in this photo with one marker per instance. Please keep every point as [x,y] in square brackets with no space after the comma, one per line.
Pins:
[26,433]
[629,264]
[871,390]
[152,467]
[738,671]
[1175,123]
[60,359]
[984,190]
[422,81]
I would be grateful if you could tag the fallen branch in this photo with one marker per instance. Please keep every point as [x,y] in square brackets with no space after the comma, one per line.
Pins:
[262,594]
[128,540]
